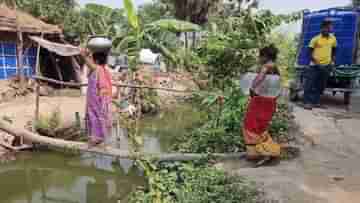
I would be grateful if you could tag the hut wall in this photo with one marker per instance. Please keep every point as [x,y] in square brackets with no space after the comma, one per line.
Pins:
[8,59]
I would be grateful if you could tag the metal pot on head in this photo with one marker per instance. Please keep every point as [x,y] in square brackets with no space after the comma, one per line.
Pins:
[98,44]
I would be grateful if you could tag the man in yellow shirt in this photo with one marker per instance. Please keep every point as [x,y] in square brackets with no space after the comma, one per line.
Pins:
[323,51]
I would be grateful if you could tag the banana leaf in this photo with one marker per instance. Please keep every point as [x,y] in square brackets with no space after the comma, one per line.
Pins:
[131,14]
[176,26]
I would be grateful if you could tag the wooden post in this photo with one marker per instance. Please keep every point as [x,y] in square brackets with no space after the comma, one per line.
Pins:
[58,70]
[77,69]
[37,88]
[37,68]
[19,47]
[20,65]
[37,101]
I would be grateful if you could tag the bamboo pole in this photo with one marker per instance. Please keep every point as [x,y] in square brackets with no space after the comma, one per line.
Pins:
[106,150]
[37,68]
[37,83]
[37,101]
[73,84]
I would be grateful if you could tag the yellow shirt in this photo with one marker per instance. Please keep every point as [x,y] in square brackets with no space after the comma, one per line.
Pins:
[323,48]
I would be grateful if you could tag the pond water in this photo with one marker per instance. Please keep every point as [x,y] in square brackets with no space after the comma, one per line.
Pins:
[52,177]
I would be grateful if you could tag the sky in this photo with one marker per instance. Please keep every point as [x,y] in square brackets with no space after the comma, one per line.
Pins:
[287,6]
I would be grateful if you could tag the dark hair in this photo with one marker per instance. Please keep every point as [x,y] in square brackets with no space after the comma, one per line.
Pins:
[325,24]
[100,58]
[269,53]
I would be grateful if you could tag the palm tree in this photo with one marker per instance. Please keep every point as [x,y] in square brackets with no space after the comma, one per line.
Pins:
[194,11]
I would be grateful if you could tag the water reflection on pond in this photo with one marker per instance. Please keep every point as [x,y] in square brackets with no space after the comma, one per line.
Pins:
[50,177]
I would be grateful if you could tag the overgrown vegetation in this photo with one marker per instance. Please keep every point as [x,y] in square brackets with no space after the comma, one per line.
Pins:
[192,182]
[221,132]
[49,121]
[52,125]
[287,45]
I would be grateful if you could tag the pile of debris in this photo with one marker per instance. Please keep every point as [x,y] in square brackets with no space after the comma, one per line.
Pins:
[12,88]
[9,145]
[54,125]
[5,140]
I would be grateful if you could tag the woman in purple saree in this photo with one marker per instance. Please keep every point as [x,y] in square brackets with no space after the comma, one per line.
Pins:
[99,98]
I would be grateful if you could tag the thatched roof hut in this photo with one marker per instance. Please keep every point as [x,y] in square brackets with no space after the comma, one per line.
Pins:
[12,20]
[18,54]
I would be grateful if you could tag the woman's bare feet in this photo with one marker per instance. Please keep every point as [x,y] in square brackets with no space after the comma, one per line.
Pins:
[95,142]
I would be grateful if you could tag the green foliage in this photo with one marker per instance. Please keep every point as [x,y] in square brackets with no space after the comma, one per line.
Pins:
[281,123]
[51,121]
[150,102]
[175,26]
[188,183]
[231,45]
[138,36]
[287,56]
[101,20]
[154,11]
[222,130]
[227,55]
[194,11]
[53,12]
[131,14]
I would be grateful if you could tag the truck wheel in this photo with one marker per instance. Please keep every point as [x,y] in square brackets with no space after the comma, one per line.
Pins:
[347,96]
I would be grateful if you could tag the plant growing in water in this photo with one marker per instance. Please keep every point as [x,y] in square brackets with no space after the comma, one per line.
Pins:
[192,182]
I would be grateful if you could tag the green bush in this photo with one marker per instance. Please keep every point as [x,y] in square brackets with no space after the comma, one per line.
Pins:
[222,131]
[50,122]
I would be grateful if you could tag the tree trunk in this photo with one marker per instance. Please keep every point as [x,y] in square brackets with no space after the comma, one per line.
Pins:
[193,40]
[186,40]
[106,150]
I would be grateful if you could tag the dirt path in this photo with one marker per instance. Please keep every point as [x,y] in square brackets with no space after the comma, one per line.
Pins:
[21,110]
[328,169]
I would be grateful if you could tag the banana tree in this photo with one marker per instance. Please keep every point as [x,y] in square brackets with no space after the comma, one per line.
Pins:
[102,20]
[139,34]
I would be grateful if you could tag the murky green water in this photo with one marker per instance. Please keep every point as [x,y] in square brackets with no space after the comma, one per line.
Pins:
[50,177]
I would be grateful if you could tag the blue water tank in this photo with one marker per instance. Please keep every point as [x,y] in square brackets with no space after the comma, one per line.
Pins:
[345,27]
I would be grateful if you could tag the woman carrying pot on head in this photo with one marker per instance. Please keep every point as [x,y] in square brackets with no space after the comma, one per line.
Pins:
[261,108]
[99,94]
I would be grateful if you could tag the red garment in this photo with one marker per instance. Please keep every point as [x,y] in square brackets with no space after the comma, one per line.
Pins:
[105,80]
[258,117]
